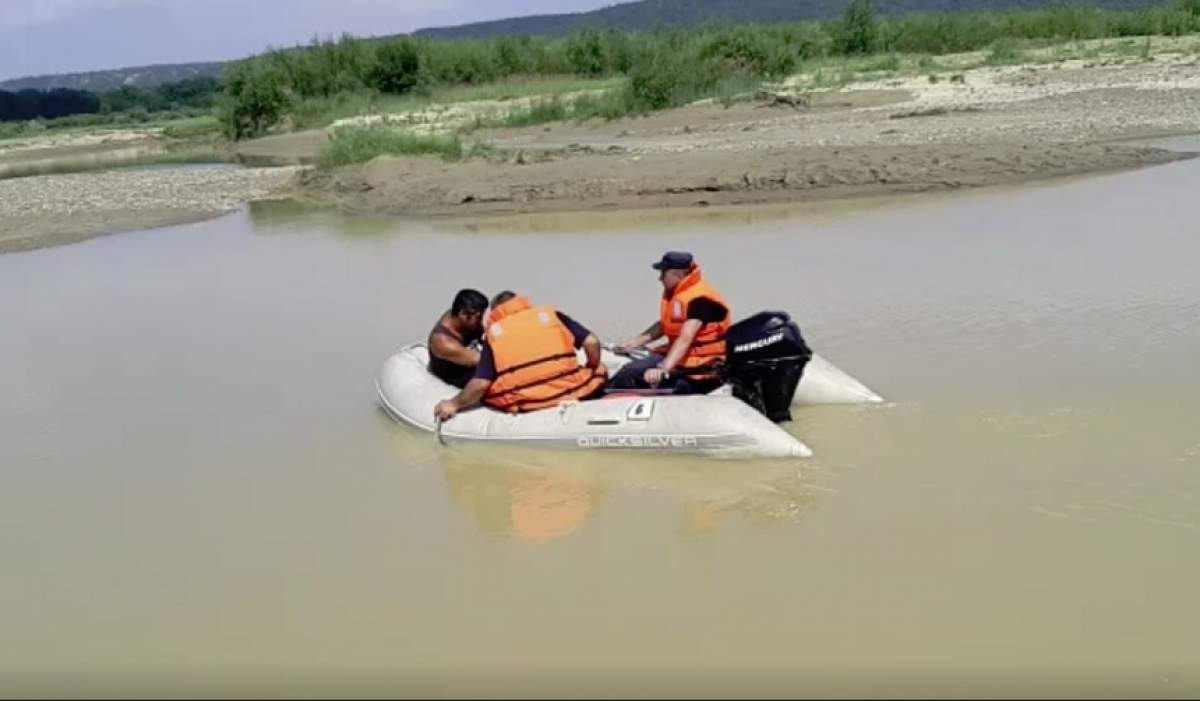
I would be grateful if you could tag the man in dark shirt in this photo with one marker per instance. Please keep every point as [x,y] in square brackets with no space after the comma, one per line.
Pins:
[694,318]
[452,357]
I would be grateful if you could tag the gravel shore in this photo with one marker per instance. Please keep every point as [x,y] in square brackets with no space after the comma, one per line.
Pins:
[52,210]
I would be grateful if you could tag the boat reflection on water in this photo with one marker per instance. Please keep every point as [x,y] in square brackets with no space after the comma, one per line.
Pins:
[542,496]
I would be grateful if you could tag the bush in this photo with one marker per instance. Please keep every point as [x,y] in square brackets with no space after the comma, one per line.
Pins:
[613,104]
[858,33]
[360,144]
[750,50]
[255,99]
[513,55]
[661,79]
[807,41]
[460,62]
[397,68]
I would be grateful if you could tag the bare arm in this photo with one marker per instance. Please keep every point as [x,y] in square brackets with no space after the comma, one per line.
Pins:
[468,397]
[680,347]
[449,349]
[650,335]
[591,347]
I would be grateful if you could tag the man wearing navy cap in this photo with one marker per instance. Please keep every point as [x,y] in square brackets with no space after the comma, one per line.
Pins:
[694,318]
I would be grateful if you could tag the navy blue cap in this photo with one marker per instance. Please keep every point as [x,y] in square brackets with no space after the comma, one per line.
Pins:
[674,260]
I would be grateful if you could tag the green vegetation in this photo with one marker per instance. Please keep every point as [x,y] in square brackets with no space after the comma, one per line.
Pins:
[609,104]
[108,80]
[1005,52]
[858,32]
[359,144]
[192,128]
[29,112]
[308,86]
[595,73]
[255,98]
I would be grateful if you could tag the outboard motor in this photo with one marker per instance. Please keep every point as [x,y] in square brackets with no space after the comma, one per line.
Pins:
[766,358]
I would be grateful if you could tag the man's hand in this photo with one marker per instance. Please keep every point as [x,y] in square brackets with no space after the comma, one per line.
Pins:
[600,370]
[653,376]
[628,346]
[445,410]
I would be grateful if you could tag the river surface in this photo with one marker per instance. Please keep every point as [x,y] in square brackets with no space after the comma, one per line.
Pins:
[199,494]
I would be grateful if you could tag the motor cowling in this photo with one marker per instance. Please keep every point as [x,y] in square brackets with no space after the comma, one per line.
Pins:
[766,356]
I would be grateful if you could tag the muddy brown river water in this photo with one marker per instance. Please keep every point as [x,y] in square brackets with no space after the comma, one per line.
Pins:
[199,495]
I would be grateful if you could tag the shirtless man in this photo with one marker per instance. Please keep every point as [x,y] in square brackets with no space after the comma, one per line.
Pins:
[451,355]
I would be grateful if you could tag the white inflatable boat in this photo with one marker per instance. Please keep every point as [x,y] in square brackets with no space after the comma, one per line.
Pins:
[714,425]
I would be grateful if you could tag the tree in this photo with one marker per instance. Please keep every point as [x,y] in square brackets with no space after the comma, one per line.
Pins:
[62,102]
[255,99]
[587,54]
[29,103]
[8,106]
[397,68]
[199,92]
[858,32]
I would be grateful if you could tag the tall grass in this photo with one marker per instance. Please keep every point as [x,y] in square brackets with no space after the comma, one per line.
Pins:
[193,128]
[351,145]
[1005,52]
[608,105]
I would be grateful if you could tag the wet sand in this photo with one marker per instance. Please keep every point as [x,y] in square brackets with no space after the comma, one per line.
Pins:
[702,178]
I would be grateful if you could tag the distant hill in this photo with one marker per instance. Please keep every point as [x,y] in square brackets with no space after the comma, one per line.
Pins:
[103,81]
[647,14]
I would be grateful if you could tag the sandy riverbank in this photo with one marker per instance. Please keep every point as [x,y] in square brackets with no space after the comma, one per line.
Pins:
[989,126]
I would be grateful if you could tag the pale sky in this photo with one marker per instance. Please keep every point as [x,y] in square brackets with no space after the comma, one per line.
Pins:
[61,36]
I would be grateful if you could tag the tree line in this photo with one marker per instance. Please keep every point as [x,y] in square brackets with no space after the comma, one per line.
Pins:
[665,67]
[193,94]
[25,105]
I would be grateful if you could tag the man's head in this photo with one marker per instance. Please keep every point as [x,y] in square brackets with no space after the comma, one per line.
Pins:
[673,268]
[502,297]
[468,309]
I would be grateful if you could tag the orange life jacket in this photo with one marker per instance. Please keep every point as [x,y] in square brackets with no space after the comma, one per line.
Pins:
[709,344]
[536,365]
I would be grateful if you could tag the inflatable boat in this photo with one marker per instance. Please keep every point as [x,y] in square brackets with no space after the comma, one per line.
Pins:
[714,425]
[768,368]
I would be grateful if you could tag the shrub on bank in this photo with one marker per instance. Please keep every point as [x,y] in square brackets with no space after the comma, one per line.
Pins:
[351,145]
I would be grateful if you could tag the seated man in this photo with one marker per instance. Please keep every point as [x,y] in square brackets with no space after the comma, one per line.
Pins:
[451,356]
[528,361]
[694,318]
